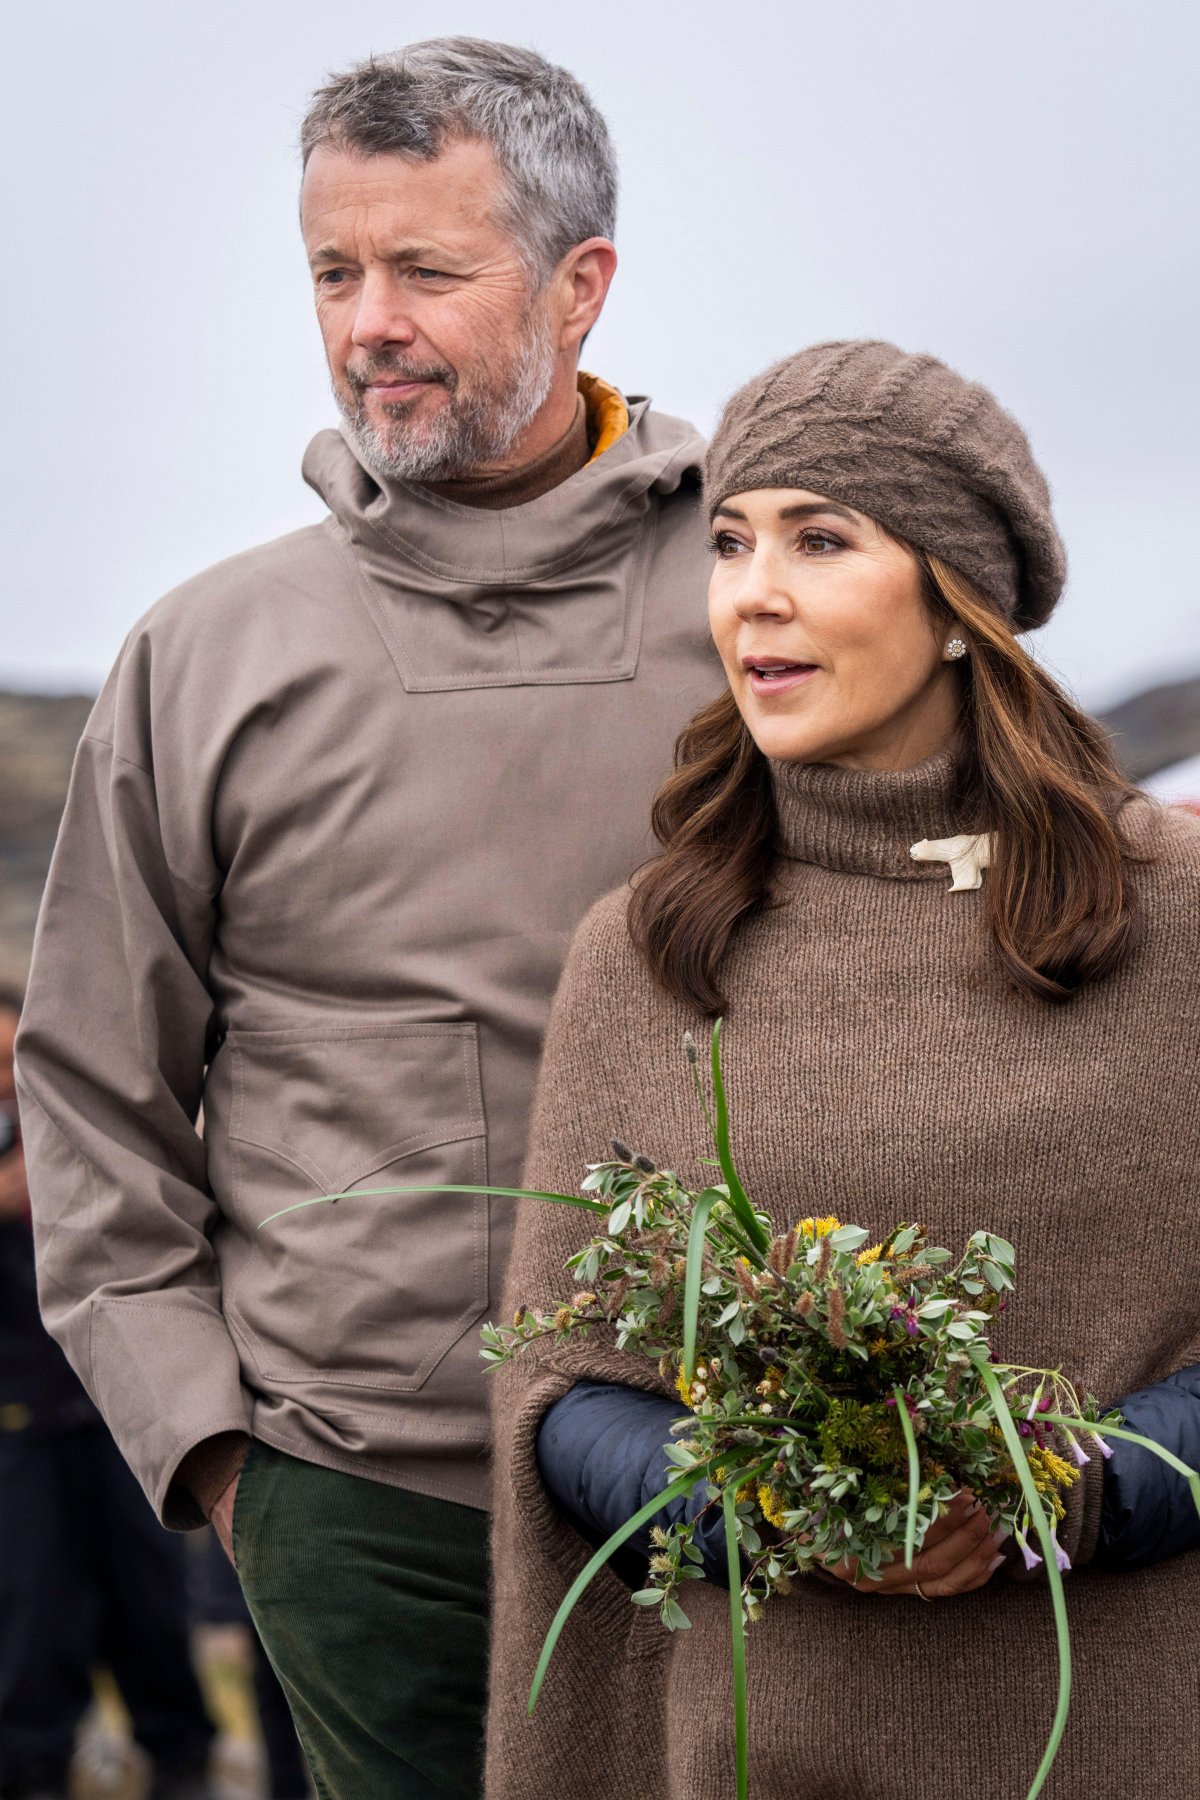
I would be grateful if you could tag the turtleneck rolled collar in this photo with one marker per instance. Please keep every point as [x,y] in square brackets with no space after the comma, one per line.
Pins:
[865,821]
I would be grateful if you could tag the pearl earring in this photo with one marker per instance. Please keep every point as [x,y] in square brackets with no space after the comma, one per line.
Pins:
[954,649]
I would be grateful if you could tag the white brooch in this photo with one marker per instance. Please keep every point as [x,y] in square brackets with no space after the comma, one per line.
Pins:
[967,856]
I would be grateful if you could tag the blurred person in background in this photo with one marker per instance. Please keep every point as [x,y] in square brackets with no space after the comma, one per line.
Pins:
[337,812]
[217,1599]
[87,1574]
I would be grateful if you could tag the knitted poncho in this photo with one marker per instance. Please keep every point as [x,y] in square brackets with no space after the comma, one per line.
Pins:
[879,1067]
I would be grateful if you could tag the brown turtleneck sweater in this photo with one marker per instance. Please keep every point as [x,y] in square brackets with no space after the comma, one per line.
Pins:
[879,1068]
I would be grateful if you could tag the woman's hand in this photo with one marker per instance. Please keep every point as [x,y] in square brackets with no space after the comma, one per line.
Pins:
[960,1552]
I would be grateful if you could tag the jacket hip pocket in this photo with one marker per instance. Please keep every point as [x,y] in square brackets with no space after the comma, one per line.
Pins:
[372,1290]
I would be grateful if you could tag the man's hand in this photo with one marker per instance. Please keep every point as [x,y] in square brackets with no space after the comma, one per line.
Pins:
[960,1552]
[221,1517]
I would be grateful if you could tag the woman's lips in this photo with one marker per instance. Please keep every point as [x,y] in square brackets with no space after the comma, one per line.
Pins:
[771,677]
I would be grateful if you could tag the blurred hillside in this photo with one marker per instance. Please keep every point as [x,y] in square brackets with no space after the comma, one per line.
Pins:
[38,734]
[1156,729]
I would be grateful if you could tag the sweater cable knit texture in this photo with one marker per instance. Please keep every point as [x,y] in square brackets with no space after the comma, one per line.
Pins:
[879,1068]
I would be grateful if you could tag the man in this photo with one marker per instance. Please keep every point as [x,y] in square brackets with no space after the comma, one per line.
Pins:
[87,1574]
[333,821]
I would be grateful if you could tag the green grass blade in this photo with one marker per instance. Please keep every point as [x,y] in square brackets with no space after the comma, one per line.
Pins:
[1033,1499]
[1190,1475]
[580,1200]
[683,1485]
[739,1199]
[737,1639]
[914,1478]
[691,1284]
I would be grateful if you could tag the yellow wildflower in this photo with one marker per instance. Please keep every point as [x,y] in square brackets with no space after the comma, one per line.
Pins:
[1059,1469]
[818,1228]
[868,1256]
[1050,1470]
[770,1504]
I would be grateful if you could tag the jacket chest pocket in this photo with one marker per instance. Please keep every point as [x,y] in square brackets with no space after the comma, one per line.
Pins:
[371,1291]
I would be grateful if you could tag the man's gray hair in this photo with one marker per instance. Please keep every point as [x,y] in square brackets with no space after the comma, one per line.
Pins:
[544,131]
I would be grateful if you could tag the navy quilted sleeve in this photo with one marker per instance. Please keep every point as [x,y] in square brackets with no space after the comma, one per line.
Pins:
[1148,1509]
[600,1453]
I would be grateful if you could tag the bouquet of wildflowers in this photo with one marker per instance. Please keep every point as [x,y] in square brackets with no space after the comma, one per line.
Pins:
[833,1384]
[835,1393]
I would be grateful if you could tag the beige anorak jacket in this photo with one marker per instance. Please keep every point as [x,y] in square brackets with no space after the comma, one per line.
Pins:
[332,823]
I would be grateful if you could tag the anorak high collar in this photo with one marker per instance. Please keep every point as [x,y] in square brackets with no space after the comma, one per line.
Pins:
[548,593]
[865,821]
[488,550]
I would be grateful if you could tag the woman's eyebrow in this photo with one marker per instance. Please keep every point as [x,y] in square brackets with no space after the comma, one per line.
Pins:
[806,509]
[803,509]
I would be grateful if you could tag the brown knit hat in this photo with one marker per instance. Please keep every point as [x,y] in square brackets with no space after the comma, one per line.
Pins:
[932,457]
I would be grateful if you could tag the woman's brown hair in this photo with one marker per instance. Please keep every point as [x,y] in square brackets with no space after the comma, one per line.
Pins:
[1060,903]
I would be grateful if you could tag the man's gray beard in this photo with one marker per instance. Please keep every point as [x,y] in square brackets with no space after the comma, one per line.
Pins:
[471,432]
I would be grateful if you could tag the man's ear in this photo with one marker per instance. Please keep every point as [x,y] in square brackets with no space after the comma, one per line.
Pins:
[583,279]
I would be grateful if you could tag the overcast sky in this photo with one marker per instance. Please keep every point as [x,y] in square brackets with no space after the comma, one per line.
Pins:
[1011,187]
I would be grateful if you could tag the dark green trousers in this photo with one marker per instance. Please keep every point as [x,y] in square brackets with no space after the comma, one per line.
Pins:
[372,1604]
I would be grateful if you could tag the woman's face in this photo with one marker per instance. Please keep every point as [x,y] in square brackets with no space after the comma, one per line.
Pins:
[829,647]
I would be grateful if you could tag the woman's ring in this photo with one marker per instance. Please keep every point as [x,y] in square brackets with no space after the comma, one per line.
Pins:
[924,1597]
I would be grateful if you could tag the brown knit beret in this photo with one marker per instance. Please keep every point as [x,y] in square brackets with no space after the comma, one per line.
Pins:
[932,457]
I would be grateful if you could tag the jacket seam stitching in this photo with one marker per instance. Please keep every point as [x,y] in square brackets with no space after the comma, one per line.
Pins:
[350,1465]
[92,737]
[459,1132]
[147,1305]
[353,1033]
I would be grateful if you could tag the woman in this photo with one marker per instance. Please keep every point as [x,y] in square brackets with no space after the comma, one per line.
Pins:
[1012,1049]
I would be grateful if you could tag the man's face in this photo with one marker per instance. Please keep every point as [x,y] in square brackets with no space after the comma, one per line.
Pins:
[440,354]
